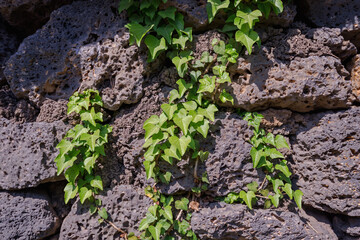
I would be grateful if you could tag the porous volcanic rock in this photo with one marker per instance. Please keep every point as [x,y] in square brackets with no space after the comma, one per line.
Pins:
[14,109]
[29,15]
[48,64]
[52,111]
[126,206]
[8,45]
[347,228]
[26,215]
[224,221]
[355,75]
[27,153]
[343,14]
[284,19]
[293,71]
[326,161]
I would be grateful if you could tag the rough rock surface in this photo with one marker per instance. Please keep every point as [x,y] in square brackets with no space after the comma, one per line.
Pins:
[14,109]
[327,159]
[347,228]
[126,206]
[343,14]
[284,19]
[26,215]
[292,71]
[29,15]
[52,111]
[59,42]
[27,153]
[223,221]
[8,45]
[355,76]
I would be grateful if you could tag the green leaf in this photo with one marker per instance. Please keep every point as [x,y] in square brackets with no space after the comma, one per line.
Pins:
[181,144]
[64,147]
[168,13]
[169,109]
[273,153]
[280,142]
[247,38]
[70,192]
[72,173]
[182,122]
[168,213]
[275,199]
[204,178]
[249,18]
[124,5]
[165,178]
[288,190]
[182,204]
[138,31]
[149,169]
[92,210]
[155,46]
[203,128]
[277,6]
[155,231]
[256,155]
[276,184]
[232,198]
[181,65]
[181,40]
[150,130]
[91,139]
[253,186]
[298,197]
[174,94]
[190,105]
[206,57]
[282,167]
[178,24]
[84,194]
[225,96]
[103,214]
[269,139]
[248,197]
[166,32]
[76,132]
[207,84]
[213,6]
[91,116]
[97,183]
[149,219]
[209,112]
[183,86]
[172,152]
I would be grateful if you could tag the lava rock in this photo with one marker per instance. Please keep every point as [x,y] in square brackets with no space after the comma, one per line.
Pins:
[29,15]
[326,161]
[343,14]
[224,221]
[347,227]
[292,71]
[27,153]
[26,215]
[58,45]
[52,111]
[126,206]
[355,75]
[284,19]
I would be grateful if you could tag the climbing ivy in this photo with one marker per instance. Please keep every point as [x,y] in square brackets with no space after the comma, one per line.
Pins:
[81,147]
[265,155]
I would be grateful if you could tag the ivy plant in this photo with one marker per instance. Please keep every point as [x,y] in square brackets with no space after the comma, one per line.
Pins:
[265,155]
[81,147]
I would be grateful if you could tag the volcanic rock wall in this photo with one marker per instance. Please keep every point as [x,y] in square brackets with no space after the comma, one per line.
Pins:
[304,79]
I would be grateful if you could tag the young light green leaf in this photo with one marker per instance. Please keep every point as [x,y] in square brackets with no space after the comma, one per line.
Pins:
[182,122]
[70,192]
[150,129]
[149,169]
[181,40]
[182,204]
[282,167]
[225,96]
[213,6]
[103,213]
[97,183]
[91,116]
[138,31]
[169,109]
[298,197]
[155,46]
[275,199]
[91,139]
[172,152]
[165,178]
[248,197]
[280,142]
[287,189]
[181,144]
[174,94]
[84,194]
[253,186]
[276,184]
[203,128]
[168,213]
[256,155]
[207,84]
[249,18]
[190,105]
[273,153]
[209,112]
[149,219]
[247,39]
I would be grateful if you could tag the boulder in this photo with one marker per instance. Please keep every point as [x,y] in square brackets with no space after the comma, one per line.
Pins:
[26,215]
[82,44]
[347,228]
[52,111]
[126,206]
[224,221]
[326,151]
[27,153]
[355,75]
[343,14]
[292,70]
[29,15]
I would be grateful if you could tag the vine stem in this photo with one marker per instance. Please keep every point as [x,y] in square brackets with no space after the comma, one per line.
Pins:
[114,226]
[196,167]
[208,67]
[262,184]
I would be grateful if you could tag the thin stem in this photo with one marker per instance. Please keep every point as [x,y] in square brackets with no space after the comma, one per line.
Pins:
[196,167]
[262,184]
[209,66]
[114,226]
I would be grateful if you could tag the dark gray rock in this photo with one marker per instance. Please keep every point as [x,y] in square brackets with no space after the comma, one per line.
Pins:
[58,45]
[343,14]
[52,111]
[326,161]
[27,153]
[126,206]
[26,215]
[347,227]
[223,221]
[293,71]
[29,15]
[14,109]
[355,75]
[284,19]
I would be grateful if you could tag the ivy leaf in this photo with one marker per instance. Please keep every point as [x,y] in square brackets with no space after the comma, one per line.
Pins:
[206,57]
[149,169]
[168,213]
[84,194]
[166,32]
[155,46]
[89,162]
[249,18]
[256,155]
[275,199]
[282,167]
[298,197]
[70,192]
[203,128]
[91,139]
[174,94]
[64,147]
[181,65]
[103,214]
[72,173]
[150,129]
[207,84]
[277,6]
[138,31]
[209,112]
[225,96]
[97,183]
[178,24]
[190,105]
[91,116]
[276,184]
[168,13]
[273,153]
[287,189]
[169,109]
[76,132]
[182,122]
[247,38]
[183,86]
[248,197]
[280,142]
[182,204]
[181,144]
[149,219]
[165,178]
[181,40]
[124,5]
[154,120]
[253,186]
[172,152]
[213,6]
